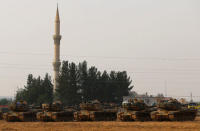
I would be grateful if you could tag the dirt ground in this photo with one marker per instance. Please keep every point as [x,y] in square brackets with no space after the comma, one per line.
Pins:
[100,126]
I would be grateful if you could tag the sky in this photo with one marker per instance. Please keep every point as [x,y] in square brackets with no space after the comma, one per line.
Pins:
[156,42]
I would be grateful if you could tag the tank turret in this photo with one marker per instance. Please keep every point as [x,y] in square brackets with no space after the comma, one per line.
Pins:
[134,105]
[55,107]
[19,106]
[171,104]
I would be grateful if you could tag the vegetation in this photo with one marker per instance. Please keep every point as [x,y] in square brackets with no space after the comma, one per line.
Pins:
[77,83]
[5,101]
[37,90]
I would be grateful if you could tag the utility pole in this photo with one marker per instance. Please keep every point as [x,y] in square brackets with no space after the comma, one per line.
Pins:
[191,98]
[165,88]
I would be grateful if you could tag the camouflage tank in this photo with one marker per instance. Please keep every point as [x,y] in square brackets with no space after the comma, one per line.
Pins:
[134,110]
[172,110]
[19,111]
[93,111]
[54,112]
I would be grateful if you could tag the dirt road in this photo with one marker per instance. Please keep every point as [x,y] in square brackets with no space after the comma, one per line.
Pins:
[100,126]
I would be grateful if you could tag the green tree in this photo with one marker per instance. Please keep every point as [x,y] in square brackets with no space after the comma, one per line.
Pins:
[5,101]
[36,91]
[104,92]
[68,86]
[77,83]
[120,85]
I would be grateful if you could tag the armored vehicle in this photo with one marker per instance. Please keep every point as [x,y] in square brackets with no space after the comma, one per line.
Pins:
[54,112]
[172,110]
[134,110]
[93,111]
[19,111]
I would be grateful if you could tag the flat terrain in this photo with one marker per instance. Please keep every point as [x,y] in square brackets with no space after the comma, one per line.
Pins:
[100,126]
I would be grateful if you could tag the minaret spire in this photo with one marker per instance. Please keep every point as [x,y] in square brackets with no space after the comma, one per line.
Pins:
[57,14]
[57,38]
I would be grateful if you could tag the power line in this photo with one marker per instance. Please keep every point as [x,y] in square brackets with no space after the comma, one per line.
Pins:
[106,57]
[155,70]
[22,66]
[17,64]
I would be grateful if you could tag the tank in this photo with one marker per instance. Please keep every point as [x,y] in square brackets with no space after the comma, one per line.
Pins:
[134,110]
[172,110]
[94,111]
[19,111]
[55,112]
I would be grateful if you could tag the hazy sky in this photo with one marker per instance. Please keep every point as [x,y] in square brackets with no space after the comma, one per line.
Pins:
[156,41]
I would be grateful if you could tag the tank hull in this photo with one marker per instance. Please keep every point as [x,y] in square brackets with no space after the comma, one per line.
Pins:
[19,116]
[182,115]
[134,116]
[55,116]
[103,116]
[82,116]
[95,116]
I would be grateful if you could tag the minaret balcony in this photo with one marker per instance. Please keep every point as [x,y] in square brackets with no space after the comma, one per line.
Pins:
[57,37]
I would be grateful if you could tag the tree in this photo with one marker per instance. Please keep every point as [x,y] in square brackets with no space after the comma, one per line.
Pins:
[75,84]
[120,85]
[104,92]
[68,86]
[78,82]
[5,101]
[36,91]
[91,84]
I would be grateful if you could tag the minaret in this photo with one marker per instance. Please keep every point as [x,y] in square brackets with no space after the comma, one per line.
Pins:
[57,38]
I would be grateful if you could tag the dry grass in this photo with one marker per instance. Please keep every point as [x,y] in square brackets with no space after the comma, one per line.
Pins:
[100,126]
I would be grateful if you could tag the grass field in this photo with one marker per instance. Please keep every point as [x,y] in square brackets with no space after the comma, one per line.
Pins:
[100,126]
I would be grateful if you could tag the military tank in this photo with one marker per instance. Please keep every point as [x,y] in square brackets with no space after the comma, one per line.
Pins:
[134,110]
[55,112]
[94,111]
[19,111]
[172,110]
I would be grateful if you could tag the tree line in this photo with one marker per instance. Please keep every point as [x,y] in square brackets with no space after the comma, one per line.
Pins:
[77,83]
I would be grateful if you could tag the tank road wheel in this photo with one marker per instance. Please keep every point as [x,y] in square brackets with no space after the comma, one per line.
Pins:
[154,116]
[120,117]
[190,116]
[76,116]
[141,116]
[135,118]
[175,116]
[8,119]
[172,117]
[39,116]
[55,118]
[111,116]
[92,117]
[123,117]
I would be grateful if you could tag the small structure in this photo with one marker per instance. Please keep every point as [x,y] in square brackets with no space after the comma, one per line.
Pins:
[148,99]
